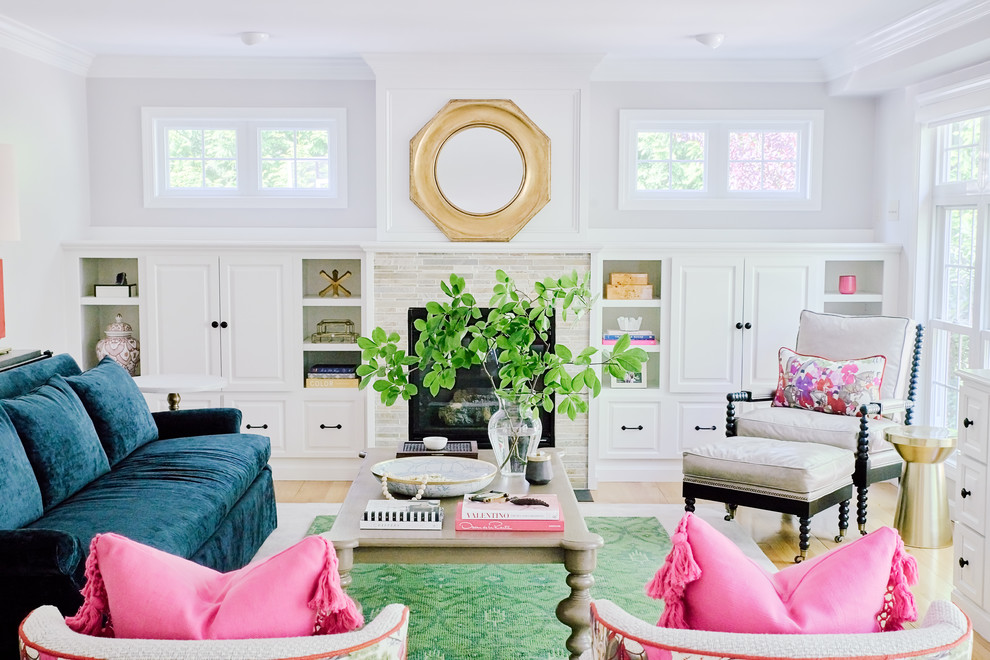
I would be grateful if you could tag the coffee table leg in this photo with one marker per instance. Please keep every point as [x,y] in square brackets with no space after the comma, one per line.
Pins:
[575,610]
[345,562]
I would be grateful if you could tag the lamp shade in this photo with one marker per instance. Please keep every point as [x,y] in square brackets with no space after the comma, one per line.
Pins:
[10,220]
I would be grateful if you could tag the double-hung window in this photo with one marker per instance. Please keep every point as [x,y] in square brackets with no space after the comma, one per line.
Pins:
[958,334]
[697,160]
[257,157]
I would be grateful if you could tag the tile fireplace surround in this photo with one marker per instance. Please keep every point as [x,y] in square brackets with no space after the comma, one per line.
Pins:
[411,279]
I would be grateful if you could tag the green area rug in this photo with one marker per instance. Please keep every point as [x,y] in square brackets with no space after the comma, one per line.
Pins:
[497,612]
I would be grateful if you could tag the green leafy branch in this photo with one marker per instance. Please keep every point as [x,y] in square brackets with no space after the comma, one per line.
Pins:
[457,335]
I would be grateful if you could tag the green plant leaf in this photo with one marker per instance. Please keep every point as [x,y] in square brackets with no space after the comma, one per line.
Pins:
[378,336]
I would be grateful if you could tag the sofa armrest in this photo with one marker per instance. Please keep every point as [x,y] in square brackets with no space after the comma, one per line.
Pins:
[197,421]
[41,552]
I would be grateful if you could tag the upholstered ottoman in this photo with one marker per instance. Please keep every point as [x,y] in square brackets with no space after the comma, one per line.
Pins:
[800,478]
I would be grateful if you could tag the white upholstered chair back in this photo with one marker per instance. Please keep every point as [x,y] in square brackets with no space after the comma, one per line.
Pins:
[839,337]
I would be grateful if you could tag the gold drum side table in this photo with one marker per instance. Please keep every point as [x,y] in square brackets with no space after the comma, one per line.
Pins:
[922,516]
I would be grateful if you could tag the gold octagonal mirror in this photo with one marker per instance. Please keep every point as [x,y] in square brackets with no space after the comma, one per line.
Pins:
[480,169]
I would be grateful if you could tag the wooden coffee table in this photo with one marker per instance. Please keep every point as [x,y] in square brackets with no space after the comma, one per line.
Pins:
[576,548]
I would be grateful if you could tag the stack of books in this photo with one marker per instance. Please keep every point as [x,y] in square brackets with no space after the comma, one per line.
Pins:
[332,375]
[508,517]
[402,514]
[640,337]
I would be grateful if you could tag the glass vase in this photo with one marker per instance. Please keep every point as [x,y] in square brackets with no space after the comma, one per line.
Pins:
[514,431]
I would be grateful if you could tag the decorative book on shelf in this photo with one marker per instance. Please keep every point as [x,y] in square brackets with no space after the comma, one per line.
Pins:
[506,510]
[462,524]
[462,448]
[402,514]
[332,382]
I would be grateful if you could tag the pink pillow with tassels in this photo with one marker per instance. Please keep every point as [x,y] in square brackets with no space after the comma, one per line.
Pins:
[707,583]
[136,591]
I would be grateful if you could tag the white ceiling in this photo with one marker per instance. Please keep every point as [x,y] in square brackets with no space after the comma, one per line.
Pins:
[616,29]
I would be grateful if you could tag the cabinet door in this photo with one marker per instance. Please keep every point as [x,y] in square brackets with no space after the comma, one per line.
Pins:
[974,434]
[776,290]
[183,305]
[704,342]
[254,309]
[262,415]
[334,427]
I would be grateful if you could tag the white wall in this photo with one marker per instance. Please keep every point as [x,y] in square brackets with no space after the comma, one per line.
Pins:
[847,212]
[116,151]
[43,114]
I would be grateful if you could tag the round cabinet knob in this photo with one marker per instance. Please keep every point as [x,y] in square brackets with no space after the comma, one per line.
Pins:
[963,562]
[223,324]
[967,422]
[965,493]
[739,326]
[214,325]
[748,325]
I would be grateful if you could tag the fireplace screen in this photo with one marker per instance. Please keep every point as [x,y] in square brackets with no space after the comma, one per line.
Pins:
[461,413]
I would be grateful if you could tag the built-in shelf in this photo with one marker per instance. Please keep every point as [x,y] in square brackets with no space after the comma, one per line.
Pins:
[91,300]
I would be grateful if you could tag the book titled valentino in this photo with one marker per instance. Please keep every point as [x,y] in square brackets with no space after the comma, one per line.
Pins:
[462,524]
[550,510]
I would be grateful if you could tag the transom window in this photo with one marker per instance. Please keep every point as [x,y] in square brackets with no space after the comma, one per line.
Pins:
[764,161]
[670,160]
[694,160]
[230,157]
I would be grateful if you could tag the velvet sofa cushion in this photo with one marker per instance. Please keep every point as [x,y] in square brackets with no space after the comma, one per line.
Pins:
[27,377]
[118,409]
[190,483]
[20,495]
[59,439]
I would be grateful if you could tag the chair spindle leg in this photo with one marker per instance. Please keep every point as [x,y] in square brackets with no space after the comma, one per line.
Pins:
[804,525]
[843,520]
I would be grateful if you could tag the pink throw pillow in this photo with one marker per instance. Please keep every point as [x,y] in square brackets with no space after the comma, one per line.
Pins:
[136,591]
[839,387]
[707,583]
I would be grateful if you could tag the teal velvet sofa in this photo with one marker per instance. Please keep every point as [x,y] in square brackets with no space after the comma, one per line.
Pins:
[81,454]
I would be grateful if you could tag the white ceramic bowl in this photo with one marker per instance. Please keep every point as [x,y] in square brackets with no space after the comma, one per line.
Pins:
[435,442]
[445,476]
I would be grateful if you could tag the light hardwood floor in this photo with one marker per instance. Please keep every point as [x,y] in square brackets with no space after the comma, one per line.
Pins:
[776,534]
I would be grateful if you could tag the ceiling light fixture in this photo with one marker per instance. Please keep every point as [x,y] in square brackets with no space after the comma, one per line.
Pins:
[712,39]
[253,38]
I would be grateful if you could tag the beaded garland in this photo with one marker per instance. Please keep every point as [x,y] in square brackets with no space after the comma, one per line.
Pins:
[425,479]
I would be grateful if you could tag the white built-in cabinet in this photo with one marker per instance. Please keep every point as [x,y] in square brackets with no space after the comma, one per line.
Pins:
[221,315]
[247,315]
[721,316]
[971,579]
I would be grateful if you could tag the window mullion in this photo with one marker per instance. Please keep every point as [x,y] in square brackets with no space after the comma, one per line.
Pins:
[717,161]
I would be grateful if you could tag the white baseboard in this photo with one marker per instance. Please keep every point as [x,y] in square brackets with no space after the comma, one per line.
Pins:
[659,470]
[314,469]
[976,614]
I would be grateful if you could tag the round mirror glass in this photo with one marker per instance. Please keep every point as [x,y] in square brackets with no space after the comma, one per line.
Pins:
[479,170]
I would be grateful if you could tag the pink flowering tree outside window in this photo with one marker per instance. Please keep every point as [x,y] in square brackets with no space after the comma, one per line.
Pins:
[763,161]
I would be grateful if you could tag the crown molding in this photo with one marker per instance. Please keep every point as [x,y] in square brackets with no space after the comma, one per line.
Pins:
[251,68]
[39,46]
[903,35]
[481,69]
[655,70]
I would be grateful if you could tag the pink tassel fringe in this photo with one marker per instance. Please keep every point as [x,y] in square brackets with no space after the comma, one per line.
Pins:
[336,612]
[93,617]
[899,606]
[678,571]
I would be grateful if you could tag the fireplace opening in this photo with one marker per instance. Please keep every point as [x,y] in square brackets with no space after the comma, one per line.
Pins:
[463,412]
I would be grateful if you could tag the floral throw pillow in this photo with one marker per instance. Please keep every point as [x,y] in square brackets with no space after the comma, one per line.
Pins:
[829,386]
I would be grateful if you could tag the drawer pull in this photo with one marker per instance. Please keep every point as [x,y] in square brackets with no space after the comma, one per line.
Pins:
[257,426]
[704,428]
[336,426]
[632,428]
[967,422]
[965,493]
[963,563]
